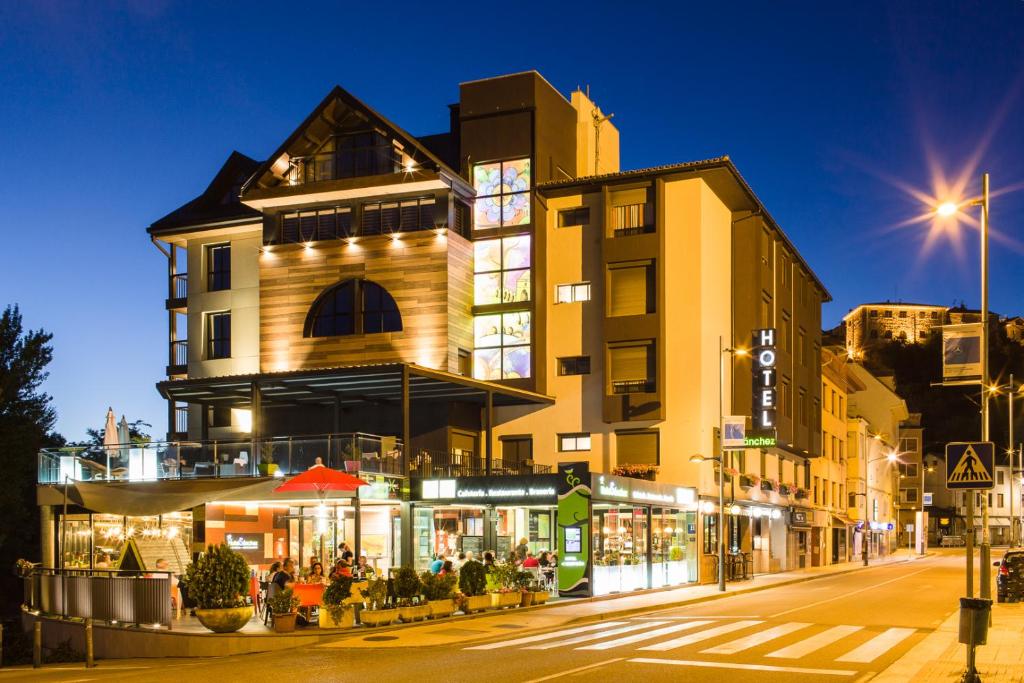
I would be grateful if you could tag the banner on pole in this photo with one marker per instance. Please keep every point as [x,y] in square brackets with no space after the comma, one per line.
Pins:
[961,352]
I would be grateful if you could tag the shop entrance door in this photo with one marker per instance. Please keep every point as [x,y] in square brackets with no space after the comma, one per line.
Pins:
[816,547]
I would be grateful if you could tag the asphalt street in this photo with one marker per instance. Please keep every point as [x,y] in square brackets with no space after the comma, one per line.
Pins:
[842,628]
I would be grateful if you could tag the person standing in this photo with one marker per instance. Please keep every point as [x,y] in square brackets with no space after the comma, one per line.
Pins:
[522,549]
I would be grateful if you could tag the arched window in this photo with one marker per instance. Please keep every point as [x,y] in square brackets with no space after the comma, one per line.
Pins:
[353,307]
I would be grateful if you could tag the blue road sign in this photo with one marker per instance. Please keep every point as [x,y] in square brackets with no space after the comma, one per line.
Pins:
[970,465]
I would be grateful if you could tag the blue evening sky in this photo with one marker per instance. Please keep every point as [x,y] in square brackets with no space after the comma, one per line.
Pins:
[112,114]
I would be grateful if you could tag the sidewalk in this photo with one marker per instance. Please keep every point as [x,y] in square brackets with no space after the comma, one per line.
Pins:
[940,657]
[563,613]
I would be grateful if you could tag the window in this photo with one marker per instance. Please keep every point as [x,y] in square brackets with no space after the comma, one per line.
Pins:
[784,399]
[786,332]
[574,365]
[316,224]
[516,451]
[873,314]
[465,363]
[1000,500]
[909,495]
[766,309]
[501,270]
[710,534]
[346,156]
[631,368]
[784,270]
[903,314]
[218,264]
[502,346]
[219,416]
[631,213]
[573,442]
[631,289]
[802,407]
[218,335]
[502,193]
[568,218]
[567,294]
[999,478]
[353,307]
[887,314]
[802,346]
[908,444]
[636,447]
[851,500]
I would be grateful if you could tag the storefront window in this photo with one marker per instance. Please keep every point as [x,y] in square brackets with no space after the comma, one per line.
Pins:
[673,546]
[710,534]
[77,540]
[620,548]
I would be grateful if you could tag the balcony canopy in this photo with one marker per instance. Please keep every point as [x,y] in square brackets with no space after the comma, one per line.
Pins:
[349,385]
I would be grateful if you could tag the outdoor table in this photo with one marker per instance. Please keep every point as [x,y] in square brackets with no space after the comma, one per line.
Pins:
[309,594]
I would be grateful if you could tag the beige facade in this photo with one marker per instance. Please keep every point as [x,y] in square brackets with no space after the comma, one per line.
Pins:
[870,324]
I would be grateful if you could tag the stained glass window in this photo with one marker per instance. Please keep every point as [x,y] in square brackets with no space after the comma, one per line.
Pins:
[502,193]
[502,343]
[502,270]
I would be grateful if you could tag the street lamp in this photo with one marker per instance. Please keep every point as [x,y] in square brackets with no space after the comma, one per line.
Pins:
[721,514]
[1011,389]
[949,209]
[892,457]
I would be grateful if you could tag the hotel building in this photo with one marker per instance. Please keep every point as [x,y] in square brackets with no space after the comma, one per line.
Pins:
[456,317]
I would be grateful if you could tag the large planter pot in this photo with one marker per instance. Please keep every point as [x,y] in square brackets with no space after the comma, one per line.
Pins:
[526,600]
[347,618]
[378,617]
[441,608]
[540,597]
[414,612]
[285,623]
[224,620]
[502,600]
[476,603]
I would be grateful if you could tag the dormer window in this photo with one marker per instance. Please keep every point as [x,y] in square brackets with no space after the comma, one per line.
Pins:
[353,307]
[348,155]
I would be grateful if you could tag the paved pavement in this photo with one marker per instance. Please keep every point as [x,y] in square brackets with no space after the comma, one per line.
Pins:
[842,626]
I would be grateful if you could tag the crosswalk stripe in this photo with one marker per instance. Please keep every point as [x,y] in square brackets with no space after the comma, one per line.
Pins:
[545,636]
[637,637]
[877,646]
[595,636]
[691,638]
[759,638]
[815,642]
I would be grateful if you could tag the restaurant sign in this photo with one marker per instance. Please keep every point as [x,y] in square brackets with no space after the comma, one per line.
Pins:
[537,488]
[762,349]
[607,486]
[244,542]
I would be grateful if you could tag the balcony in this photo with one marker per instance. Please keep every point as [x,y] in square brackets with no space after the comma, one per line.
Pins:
[632,219]
[633,386]
[430,464]
[177,291]
[369,160]
[177,362]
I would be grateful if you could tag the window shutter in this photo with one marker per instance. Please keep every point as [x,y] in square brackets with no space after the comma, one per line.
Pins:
[627,291]
[628,363]
[639,448]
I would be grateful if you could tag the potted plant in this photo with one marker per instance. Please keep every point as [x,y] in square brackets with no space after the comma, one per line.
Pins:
[749,481]
[439,592]
[769,485]
[473,586]
[337,610]
[283,606]
[217,581]
[408,590]
[802,494]
[377,612]
[524,581]
[507,593]
[786,489]
[540,592]
[647,472]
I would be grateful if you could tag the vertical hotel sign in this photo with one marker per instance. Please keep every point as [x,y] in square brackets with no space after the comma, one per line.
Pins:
[574,515]
[765,377]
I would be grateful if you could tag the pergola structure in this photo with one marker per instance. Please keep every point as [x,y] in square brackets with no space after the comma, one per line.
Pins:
[396,384]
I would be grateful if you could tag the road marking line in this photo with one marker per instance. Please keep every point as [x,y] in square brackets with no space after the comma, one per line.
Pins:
[706,616]
[702,635]
[636,638]
[872,587]
[576,670]
[594,636]
[877,646]
[815,642]
[545,636]
[759,638]
[744,667]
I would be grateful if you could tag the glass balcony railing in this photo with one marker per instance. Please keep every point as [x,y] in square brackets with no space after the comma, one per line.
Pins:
[278,456]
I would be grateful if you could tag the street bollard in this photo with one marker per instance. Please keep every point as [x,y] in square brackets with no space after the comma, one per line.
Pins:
[37,645]
[89,661]
[975,614]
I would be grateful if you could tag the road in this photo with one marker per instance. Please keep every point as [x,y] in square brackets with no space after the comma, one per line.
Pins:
[843,628]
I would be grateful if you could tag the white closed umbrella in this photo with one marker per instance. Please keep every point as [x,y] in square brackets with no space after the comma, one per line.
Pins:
[110,437]
[124,437]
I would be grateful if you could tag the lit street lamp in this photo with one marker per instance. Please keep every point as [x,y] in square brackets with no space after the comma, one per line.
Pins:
[892,457]
[1011,389]
[721,514]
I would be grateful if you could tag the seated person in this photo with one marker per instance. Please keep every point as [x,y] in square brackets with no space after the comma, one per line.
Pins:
[363,570]
[437,564]
[531,562]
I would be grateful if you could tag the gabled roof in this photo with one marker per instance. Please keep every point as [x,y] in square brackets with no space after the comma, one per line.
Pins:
[422,154]
[219,201]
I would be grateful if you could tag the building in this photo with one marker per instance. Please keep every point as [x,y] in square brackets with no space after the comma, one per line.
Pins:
[868,325]
[873,431]
[911,476]
[1004,505]
[456,317]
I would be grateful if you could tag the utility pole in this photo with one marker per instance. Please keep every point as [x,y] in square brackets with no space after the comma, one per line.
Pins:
[1013,526]
[986,549]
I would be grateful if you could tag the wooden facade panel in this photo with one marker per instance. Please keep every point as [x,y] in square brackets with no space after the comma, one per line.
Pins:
[428,276]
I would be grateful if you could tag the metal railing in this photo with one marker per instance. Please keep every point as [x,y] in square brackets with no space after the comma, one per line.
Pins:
[632,219]
[179,353]
[110,595]
[633,386]
[430,463]
[178,286]
[370,160]
[278,456]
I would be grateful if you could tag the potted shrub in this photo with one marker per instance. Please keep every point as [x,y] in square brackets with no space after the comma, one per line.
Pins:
[473,585]
[646,472]
[336,609]
[524,582]
[283,606]
[540,592]
[377,612]
[408,590]
[769,485]
[749,481]
[217,582]
[439,592]
[507,593]
[786,489]
[802,494]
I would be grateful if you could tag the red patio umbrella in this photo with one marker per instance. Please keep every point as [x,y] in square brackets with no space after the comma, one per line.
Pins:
[322,480]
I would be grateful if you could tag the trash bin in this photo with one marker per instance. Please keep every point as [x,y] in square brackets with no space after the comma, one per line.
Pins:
[974,617]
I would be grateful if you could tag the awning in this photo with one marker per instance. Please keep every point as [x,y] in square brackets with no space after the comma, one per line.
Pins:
[841,521]
[347,385]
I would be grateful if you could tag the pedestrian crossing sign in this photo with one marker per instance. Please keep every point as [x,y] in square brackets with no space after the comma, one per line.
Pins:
[970,465]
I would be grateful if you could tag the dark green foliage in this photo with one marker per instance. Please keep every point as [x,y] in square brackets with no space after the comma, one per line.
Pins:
[438,586]
[407,585]
[472,578]
[338,591]
[283,602]
[219,578]
[376,594]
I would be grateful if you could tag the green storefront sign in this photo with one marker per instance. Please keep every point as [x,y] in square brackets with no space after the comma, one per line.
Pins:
[574,532]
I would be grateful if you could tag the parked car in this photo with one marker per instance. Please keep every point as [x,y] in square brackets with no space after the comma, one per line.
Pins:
[1010,579]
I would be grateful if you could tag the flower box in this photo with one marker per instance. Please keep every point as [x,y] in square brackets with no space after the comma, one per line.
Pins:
[503,600]
[801,494]
[540,597]
[645,472]
[749,481]
[476,603]
[410,613]
[346,617]
[441,608]
[378,617]
[768,485]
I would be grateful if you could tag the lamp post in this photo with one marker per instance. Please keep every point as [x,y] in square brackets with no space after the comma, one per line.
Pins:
[1011,390]
[949,209]
[721,513]
[892,457]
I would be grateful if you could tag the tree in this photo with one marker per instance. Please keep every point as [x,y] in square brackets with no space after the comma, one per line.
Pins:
[26,421]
